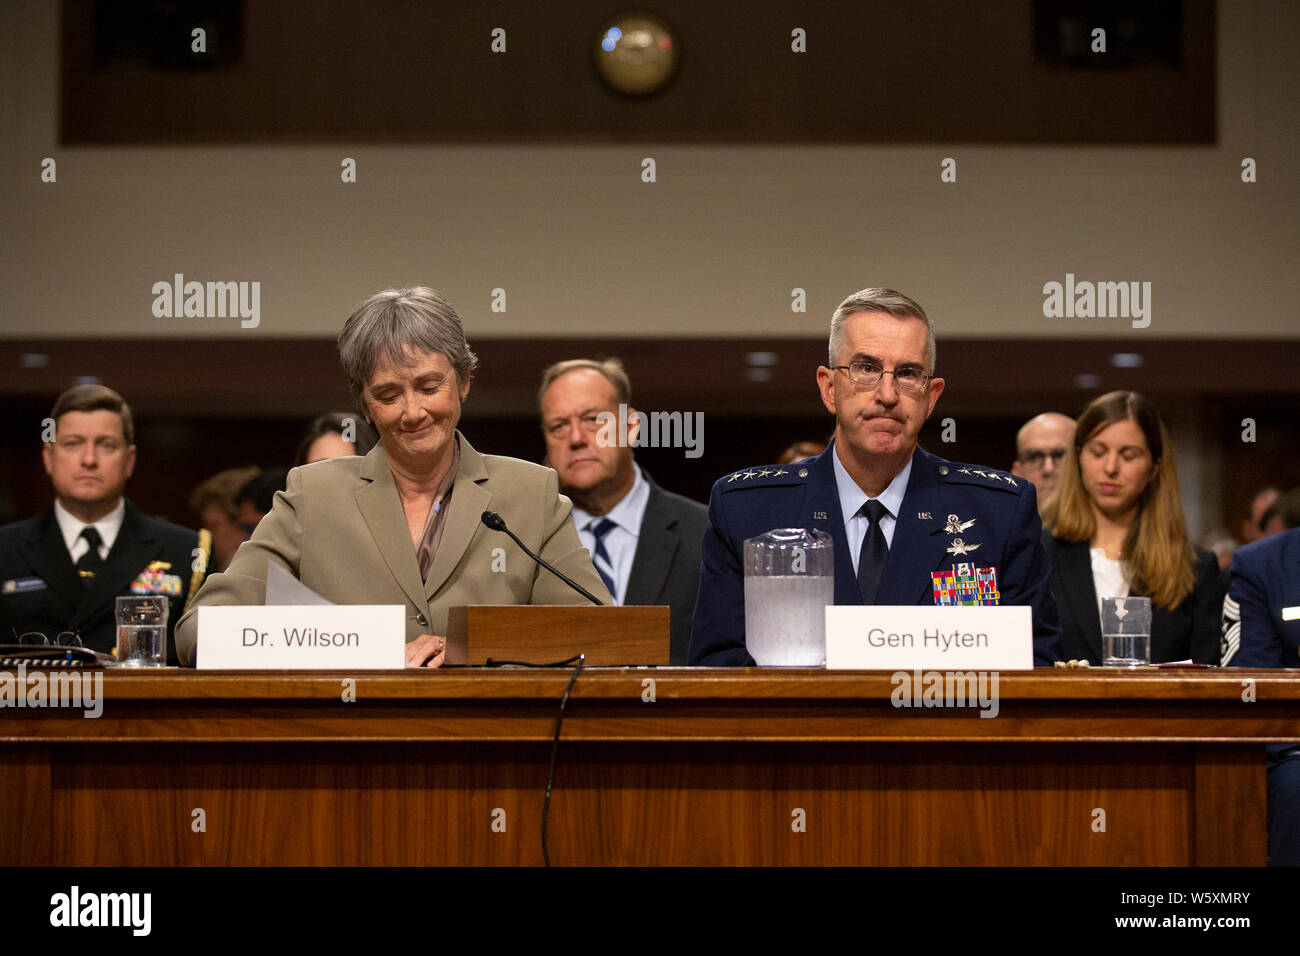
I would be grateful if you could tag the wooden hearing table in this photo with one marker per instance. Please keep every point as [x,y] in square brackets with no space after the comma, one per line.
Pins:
[656,766]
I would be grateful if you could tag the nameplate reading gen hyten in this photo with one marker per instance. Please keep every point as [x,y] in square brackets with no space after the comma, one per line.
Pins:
[875,637]
[303,637]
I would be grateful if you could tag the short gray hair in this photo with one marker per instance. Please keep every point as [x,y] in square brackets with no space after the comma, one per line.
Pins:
[389,323]
[611,368]
[879,300]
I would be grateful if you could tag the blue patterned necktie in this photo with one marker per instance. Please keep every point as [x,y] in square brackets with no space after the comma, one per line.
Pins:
[604,566]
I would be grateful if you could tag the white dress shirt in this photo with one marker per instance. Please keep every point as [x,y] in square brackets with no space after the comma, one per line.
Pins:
[852,498]
[620,542]
[71,528]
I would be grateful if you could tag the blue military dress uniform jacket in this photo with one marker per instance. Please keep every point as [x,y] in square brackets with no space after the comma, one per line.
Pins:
[1261,628]
[1262,612]
[1003,512]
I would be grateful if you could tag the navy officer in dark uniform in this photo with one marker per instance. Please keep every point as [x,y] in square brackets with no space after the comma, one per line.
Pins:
[896,513]
[62,571]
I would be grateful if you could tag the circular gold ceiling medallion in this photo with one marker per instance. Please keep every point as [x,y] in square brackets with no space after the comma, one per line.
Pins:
[636,53]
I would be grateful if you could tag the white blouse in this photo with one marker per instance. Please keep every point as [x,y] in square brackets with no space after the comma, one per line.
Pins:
[1108,577]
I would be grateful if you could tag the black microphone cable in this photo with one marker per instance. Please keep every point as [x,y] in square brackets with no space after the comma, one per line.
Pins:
[555,742]
[555,751]
[580,659]
[497,523]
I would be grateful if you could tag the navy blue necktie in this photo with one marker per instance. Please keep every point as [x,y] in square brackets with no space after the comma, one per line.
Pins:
[604,566]
[871,559]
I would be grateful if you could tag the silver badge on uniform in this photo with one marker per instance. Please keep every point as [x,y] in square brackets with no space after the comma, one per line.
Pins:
[960,547]
[956,525]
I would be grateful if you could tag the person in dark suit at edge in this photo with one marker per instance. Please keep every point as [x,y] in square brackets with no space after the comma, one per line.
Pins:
[644,541]
[1116,528]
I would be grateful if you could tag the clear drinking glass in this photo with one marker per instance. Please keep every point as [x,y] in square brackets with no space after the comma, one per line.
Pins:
[142,630]
[1126,631]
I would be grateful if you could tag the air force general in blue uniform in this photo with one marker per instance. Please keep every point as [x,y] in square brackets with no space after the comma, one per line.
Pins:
[1003,532]
[893,510]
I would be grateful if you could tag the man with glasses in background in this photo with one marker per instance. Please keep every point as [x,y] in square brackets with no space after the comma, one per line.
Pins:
[1041,444]
[61,572]
[896,513]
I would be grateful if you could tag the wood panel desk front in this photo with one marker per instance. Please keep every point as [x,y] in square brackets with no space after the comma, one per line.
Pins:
[721,767]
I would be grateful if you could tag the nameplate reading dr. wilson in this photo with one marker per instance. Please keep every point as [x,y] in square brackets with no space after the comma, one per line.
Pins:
[866,637]
[303,637]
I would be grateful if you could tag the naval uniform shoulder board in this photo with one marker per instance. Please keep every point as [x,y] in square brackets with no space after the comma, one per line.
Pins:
[955,472]
[768,476]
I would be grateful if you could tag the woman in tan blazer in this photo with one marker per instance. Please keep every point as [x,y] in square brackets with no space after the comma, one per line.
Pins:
[403,524]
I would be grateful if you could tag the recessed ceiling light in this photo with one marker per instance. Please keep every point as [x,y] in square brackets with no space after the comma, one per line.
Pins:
[761,359]
[33,360]
[1126,360]
[1087,380]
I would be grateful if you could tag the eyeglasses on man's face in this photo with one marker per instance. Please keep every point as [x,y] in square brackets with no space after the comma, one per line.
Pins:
[911,377]
[1036,458]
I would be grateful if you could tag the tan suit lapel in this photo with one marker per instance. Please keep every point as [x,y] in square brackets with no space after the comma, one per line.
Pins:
[468,502]
[381,508]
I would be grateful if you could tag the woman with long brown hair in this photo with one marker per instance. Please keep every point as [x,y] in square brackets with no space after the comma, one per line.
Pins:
[1115,528]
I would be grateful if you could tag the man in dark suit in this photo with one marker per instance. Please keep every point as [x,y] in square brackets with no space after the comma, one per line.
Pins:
[1261,628]
[62,570]
[895,512]
[644,541]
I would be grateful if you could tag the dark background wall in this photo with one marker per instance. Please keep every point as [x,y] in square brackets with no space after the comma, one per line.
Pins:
[1013,71]
[202,407]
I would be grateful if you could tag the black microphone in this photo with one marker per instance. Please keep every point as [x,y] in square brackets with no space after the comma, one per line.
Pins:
[497,523]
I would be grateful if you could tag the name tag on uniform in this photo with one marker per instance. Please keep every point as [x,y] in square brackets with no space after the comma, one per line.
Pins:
[20,585]
[303,637]
[872,637]
[1291,613]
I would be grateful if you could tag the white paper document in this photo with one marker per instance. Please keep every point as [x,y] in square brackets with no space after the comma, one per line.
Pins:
[283,588]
